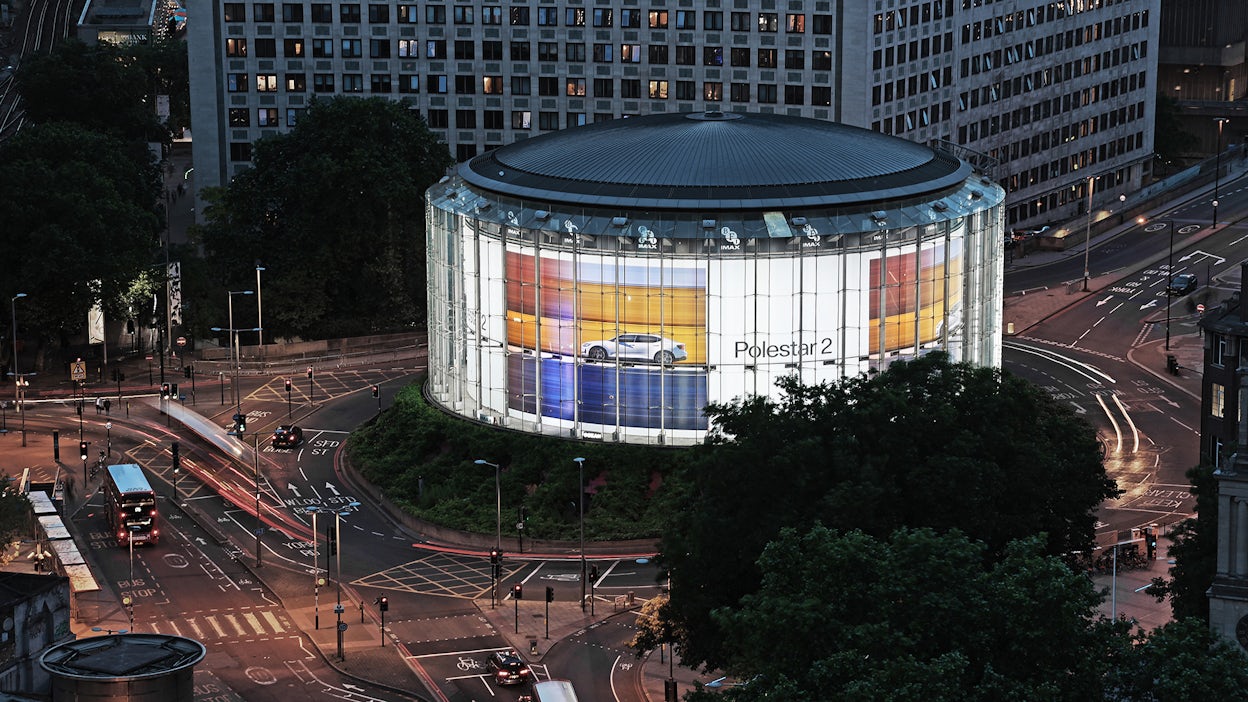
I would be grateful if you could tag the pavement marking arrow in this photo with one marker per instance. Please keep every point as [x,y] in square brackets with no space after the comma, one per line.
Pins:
[1152,303]
[1078,408]
[1168,401]
[331,488]
[1101,302]
[294,489]
[349,686]
[1219,259]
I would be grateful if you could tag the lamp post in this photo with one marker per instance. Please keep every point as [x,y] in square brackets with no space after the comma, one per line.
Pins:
[498,534]
[108,435]
[1122,208]
[21,384]
[338,515]
[580,507]
[316,567]
[1217,171]
[1169,278]
[259,311]
[129,599]
[1087,234]
[17,387]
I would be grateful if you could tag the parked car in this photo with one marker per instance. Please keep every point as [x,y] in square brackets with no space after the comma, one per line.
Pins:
[1182,284]
[507,668]
[636,347]
[287,436]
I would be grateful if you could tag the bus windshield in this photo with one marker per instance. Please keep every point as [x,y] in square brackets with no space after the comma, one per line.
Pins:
[132,513]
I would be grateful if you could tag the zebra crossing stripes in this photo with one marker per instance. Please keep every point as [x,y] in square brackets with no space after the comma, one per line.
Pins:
[258,624]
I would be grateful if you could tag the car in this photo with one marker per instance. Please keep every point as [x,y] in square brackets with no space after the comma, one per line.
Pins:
[507,668]
[1182,284]
[636,347]
[287,436]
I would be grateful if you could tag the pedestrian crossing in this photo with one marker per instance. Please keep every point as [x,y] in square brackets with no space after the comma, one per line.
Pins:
[241,624]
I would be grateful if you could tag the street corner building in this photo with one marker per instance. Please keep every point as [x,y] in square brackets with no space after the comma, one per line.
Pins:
[607,282]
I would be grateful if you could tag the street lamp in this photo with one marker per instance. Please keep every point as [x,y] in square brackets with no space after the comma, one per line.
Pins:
[495,566]
[1122,208]
[259,311]
[17,396]
[129,599]
[316,566]
[580,506]
[1087,234]
[108,435]
[338,566]
[1217,171]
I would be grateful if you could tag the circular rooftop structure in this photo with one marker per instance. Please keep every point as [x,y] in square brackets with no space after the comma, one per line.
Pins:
[124,666]
[715,160]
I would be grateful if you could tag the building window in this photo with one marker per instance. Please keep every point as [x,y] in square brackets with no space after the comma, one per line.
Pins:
[292,12]
[323,83]
[266,117]
[521,119]
[519,16]
[266,83]
[686,90]
[292,48]
[577,119]
[713,20]
[712,56]
[768,22]
[409,14]
[794,94]
[240,117]
[322,13]
[739,92]
[379,83]
[435,84]
[658,19]
[521,50]
[349,14]
[292,115]
[575,53]
[492,14]
[465,85]
[821,60]
[766,58]
[465,151]
[547,51]
[264,12]
[795,24]
[378,14]
[352,48]
[686,19]
[266,48]
[630,18]
[630,88]
[630,53]
[548,17]
[795,59]
[821,95]
[466,119]
[296,83]
[658,54]
[548,121]
[767,94]
[409,83]
[462,14]
[492,85]
[604,87]
[740,22]
[686,55]
[379,48]
[713,91]
[575,87]
[435,48]
[739,56]
[236,83]
[409,48]
[548,86]
[465,49]
[574,17]
[322,48]
[603,17]
[493,119]
[234,12]
[1220,350]
[438,119]
[492,50]
[821,24]
[658,90]
[1217,400]
[521,85]
[435,14]
[352,83]
[236,47]
[603,53]
[240,151]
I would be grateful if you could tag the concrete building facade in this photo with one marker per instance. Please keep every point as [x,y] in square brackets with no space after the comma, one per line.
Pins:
[1042,96]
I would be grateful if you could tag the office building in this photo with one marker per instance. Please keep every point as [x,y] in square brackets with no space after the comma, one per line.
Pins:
[1041,95]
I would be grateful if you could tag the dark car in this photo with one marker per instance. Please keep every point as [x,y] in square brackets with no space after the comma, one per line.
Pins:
[508,669]
[1182,284]
[287,436]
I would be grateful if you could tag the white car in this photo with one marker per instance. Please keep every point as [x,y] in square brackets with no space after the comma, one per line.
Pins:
[636,347]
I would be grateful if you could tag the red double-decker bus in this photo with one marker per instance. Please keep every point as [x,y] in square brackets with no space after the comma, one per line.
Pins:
[131,505]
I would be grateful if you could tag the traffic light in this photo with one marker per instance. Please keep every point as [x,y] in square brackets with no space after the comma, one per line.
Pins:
[375,391]
[1172,364]
[288,385]
[186,371]
[173,391]
[383,604]
[550,594]
[82,449]
[1150,542]
[177,460]
[164,391]
[593,573]
[495,556]
[309,372]
[331,538]
[240,424]
[517,591]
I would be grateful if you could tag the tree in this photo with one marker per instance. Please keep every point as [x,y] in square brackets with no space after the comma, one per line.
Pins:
[926,443]
[933,617]
[1194,547]
[14,514]
[90,236]
[335,211]
[1172,141]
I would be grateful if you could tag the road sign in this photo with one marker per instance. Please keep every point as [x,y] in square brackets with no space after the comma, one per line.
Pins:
[181,341]
[78,370]
[1200,309]
[342,626]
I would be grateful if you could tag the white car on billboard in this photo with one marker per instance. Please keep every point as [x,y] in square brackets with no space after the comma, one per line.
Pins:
[636,347]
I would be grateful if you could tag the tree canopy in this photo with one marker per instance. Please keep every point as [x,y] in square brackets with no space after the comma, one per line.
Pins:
[334,210]
[926,443]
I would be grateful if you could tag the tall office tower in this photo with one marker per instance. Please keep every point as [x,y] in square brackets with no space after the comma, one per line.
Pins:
[1041,95]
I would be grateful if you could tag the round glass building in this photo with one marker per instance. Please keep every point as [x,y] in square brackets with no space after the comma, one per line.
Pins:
[607,282]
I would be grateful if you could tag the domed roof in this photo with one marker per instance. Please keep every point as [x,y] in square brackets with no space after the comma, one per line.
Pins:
[715,160]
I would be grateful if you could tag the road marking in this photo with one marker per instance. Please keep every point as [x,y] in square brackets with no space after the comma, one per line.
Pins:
[199,633]
[237,627]
[273,622]
[254,623]
[212,621]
